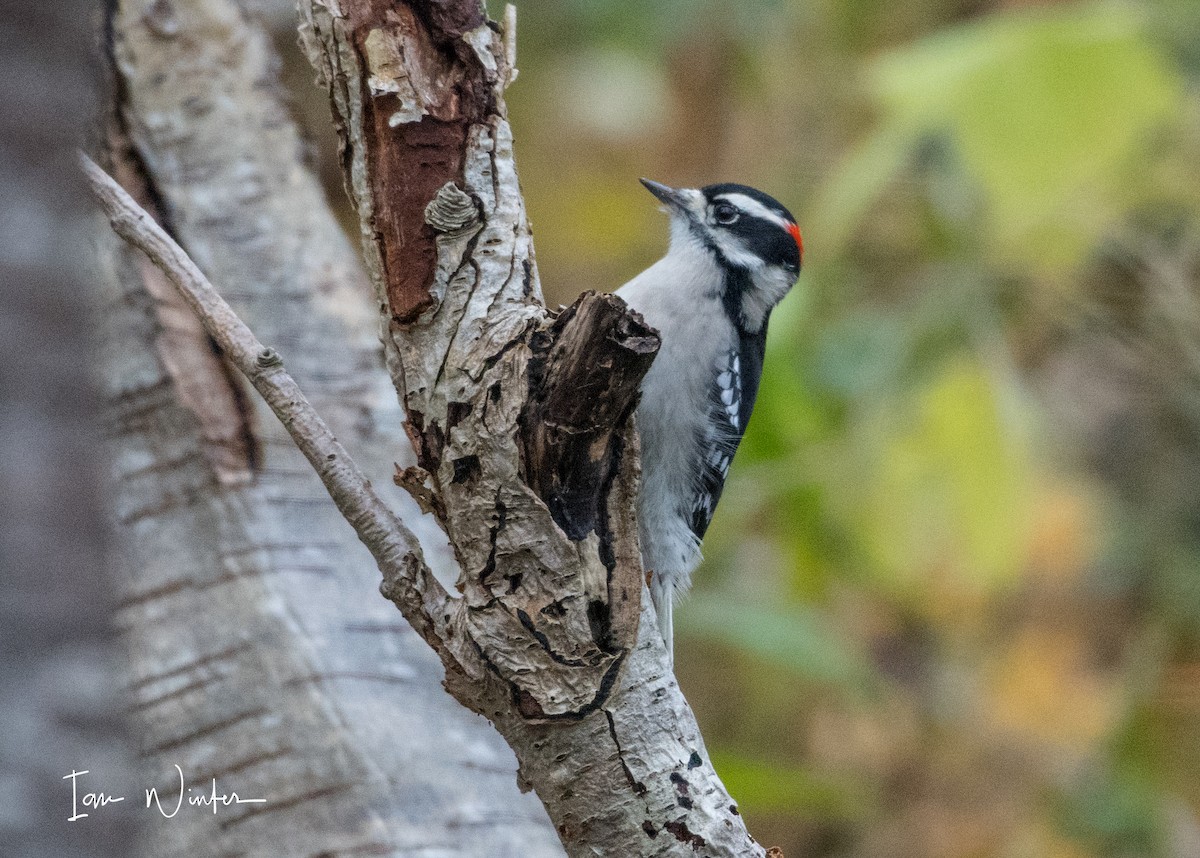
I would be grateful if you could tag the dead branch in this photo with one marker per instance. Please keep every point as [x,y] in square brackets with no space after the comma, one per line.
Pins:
[422,600]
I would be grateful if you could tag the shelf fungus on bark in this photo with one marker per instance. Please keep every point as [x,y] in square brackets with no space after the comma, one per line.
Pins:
[452,211]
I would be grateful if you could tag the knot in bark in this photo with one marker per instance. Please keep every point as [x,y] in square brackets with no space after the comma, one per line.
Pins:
[268,358]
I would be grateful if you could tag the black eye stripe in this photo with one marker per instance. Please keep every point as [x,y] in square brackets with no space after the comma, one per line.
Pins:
[764,235]
[767,239]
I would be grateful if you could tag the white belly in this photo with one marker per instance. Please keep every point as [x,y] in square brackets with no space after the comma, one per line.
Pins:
[671,417]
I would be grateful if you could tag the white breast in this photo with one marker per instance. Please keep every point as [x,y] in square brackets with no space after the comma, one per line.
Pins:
[680,296]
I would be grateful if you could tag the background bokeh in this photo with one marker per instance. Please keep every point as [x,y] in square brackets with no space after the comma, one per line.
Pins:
[951,600]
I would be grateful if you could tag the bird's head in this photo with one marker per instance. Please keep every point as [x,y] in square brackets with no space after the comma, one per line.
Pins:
[749,234]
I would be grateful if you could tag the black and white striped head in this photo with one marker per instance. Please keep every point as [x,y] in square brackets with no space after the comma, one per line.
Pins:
[748,233]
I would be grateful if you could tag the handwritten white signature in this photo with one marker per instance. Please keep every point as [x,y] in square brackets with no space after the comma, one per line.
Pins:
[97,800]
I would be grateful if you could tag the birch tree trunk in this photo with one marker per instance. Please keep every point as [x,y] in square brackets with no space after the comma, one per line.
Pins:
[261,654]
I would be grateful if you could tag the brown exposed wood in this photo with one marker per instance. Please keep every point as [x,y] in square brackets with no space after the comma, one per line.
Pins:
[203,382]
[429,89]
[584,374]
[448,20]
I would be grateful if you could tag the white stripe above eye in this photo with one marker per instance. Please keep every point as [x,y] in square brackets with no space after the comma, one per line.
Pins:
[753,207]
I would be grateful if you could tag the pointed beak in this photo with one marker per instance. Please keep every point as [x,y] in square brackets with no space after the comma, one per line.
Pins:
[672,197]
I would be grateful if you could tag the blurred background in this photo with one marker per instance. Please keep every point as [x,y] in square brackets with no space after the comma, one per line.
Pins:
[951,598]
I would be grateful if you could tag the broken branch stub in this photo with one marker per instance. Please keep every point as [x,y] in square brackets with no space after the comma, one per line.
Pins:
[529,471]
[583,385]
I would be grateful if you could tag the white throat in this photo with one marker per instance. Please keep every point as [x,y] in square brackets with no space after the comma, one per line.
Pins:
[770,285]
[688,254]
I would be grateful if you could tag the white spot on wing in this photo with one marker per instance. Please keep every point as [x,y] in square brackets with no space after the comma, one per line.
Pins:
[729,386]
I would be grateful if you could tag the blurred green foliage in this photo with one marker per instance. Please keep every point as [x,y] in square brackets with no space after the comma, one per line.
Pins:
[770,786]
[1050,113]
[796,639]
[951,601]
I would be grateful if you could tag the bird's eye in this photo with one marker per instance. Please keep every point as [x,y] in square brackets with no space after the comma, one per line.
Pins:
[724,213]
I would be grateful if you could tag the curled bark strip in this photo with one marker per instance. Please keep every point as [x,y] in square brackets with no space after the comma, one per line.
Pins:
[412,480]
[451,211]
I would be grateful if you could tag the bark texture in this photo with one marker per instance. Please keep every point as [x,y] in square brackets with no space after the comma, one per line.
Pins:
[583,376]
[260,652]
[526,449]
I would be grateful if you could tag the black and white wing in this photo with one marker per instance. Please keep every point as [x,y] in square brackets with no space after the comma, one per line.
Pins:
[731,400]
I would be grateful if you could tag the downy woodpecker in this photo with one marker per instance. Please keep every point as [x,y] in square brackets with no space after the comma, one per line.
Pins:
[734,253]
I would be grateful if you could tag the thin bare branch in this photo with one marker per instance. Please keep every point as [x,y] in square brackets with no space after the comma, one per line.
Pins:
[410,584]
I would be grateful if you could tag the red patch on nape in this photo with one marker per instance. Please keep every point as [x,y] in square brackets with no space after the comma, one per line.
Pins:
[794,232]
